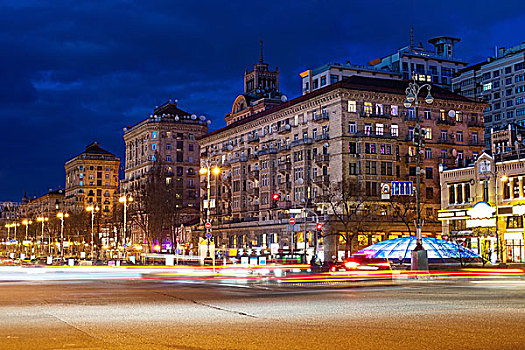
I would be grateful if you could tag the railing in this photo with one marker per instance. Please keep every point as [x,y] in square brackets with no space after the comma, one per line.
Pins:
[284,148]
[446,121]
[375,115]
[253,138]
[303,141]
[476,143]
[322,158]
[322,180]
[285,167]
[373,134]
[321,137]
[285,129]
[254,174]
[321,117]
[267,151]
[475,124]
[284,205]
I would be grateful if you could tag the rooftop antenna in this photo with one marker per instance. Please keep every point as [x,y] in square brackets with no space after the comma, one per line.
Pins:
[411,37]
[261,58]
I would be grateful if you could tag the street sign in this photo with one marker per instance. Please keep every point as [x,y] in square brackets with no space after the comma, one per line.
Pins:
[385,188]
[208,235]
[402,188]
[292,221]
[207,225]
[295,210]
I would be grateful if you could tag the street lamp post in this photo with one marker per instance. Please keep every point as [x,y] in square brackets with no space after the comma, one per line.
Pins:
[205,170]
[92,209]
[419,254]
[125,199]
[61,216]
[42,219]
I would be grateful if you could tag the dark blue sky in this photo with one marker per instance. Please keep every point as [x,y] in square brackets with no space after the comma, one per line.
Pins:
[74,72]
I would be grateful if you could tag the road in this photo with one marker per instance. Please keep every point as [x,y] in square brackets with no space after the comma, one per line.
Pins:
[157,314]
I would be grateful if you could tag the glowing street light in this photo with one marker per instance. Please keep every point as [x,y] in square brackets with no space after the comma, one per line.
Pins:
[125,199]
[42,219]
[62,216]
[92,209]
[205,170]
[26,223]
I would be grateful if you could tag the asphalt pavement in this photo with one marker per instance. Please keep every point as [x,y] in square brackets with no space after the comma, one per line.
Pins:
[167,314]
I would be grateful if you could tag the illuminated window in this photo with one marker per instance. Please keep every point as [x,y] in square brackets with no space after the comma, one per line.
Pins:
[154,135]
[411,151]
[352,106]
[393,110]
[394,130]
[428,133]
[368,108]
[379,129]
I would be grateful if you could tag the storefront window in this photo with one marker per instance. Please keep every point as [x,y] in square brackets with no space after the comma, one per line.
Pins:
[514,222]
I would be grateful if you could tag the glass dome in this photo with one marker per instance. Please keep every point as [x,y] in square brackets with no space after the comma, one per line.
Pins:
[438,250]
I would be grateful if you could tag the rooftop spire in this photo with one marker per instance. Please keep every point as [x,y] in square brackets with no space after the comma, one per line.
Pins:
[411,37]
[261,58]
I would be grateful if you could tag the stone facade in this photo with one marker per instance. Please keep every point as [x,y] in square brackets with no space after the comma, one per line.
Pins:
[497,187]
[92,178]
[354,129]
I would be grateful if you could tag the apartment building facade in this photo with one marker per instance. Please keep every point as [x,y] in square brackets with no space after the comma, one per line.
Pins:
[354,129]
[499,81]
[92,178]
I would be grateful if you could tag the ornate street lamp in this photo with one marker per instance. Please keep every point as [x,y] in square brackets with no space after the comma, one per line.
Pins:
[62,216]
[419,254]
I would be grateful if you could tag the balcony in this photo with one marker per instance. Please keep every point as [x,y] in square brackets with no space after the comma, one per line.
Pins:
[254,174]
[285,186]
[284,148]
[322,180]
[446,121]
[322,158]
[409,118]
[226,179]
[253,156]
[321,118]
[373,134]
[227,148]
[321,137]
[475,124]
[303,141]
[253,138]
[285,167]
[476,143]
[270,150]
[375,115]
[285,129]
[253,191]
[284,205]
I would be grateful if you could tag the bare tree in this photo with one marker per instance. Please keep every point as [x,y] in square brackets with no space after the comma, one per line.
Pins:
[350,209]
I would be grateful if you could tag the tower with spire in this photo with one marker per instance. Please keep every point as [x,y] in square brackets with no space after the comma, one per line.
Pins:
[261,91]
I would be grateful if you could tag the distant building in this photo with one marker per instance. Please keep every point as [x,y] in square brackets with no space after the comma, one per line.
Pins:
[501,82]
[46,205]
[314,79]
[92,178]
[508,141]
[436,66]
[9,210]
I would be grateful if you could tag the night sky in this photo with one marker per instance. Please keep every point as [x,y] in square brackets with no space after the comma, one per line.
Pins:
[74,72]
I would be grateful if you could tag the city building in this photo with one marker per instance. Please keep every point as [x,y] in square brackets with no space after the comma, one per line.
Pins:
[92,178]
[45,205]
[500,81]
[167,138]
[482,207]
[437,66]
[314,79]
[355,130]
[9,210]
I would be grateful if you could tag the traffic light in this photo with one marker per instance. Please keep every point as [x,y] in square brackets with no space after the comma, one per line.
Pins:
[275,198]
[319,227]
